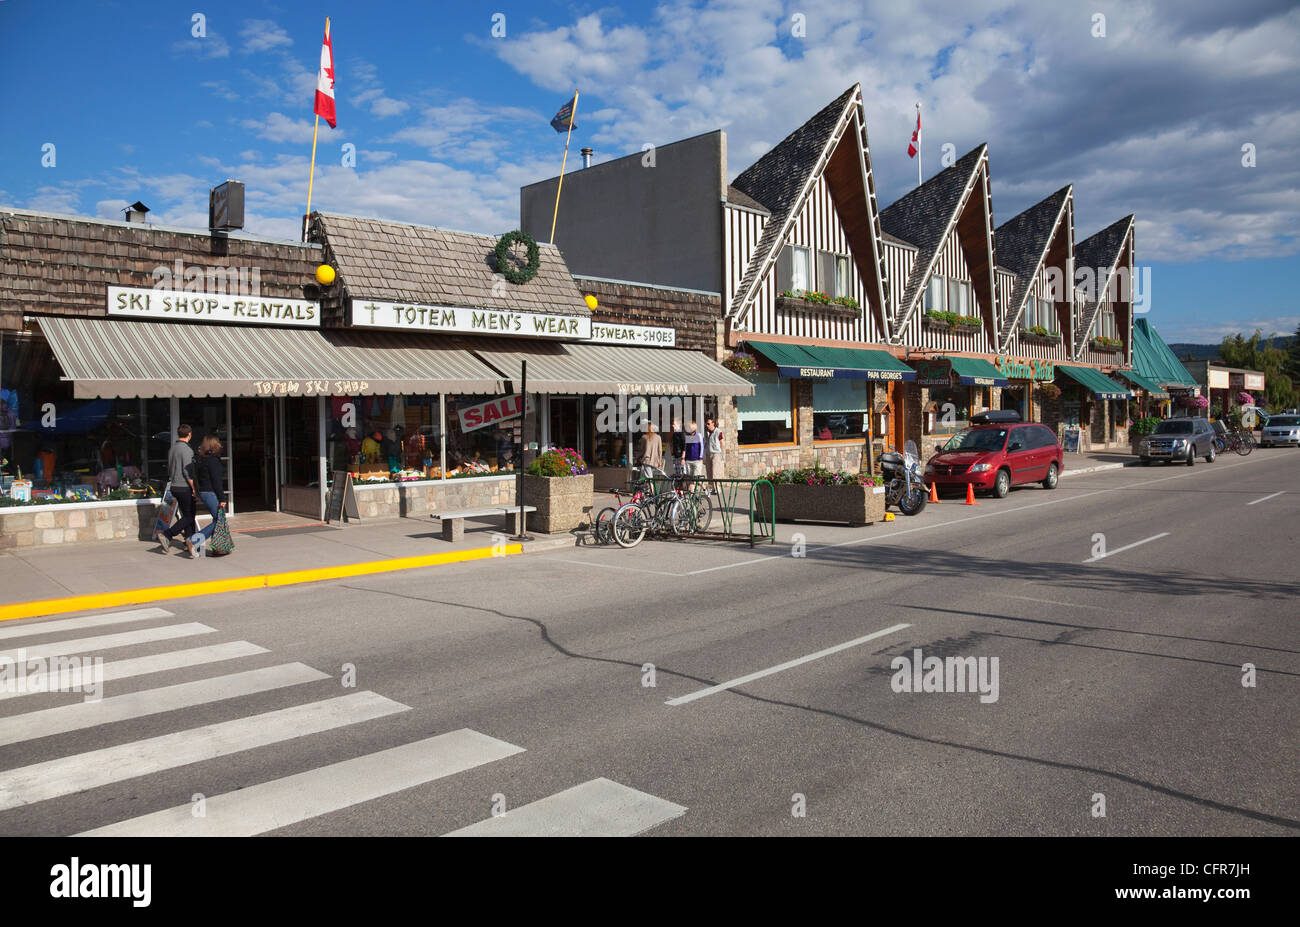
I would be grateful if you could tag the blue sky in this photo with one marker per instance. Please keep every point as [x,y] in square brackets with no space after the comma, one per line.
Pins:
[449,121]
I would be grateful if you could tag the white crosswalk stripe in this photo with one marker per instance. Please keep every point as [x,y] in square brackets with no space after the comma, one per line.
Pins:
[104,642]
[80,715]
[13,629]
[281,802]
[71,774]
[599,808]
[78,676]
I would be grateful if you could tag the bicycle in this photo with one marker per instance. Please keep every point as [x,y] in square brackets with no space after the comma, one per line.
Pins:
[1241,442]
[674,510]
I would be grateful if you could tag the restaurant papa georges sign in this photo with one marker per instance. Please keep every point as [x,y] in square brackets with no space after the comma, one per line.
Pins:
[412,317]
[1034,368]
[472,418]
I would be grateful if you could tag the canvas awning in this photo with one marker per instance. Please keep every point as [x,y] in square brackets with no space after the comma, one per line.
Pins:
[975,371]
[1154,390]
[130,359]
[1101,386]
[809,361]
[607,368]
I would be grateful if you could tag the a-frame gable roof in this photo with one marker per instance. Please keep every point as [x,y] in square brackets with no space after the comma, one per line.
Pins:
[1100,253]
[1022,243]
[924,217]
[782,180]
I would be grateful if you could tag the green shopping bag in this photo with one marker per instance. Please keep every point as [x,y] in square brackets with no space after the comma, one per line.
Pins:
[221,543]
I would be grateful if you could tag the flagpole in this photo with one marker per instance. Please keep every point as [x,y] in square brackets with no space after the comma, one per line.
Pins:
[311,177]
[918,143]
[573,111]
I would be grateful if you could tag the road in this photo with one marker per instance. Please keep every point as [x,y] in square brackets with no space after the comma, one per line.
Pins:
[524,684]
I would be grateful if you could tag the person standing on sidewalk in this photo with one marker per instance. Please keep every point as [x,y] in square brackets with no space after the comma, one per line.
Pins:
[678,444]
[714,466]
[209,483]
[180,474]
[693,455]
[652,452]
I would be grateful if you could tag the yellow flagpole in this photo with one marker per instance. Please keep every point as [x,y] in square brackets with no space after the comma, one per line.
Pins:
[560,186]
[311,177]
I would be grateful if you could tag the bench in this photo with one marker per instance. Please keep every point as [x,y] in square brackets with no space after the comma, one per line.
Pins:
[453,523]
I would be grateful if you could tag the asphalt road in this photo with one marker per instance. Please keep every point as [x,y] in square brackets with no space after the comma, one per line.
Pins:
[1119,681]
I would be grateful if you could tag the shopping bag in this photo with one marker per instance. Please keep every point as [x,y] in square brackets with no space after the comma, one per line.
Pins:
[221,542]
[166,512]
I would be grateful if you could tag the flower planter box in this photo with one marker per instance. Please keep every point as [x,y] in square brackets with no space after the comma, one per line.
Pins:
[857,505]
[563,502]
[1106,348]
[1035,338]
[834,310]
[941,326]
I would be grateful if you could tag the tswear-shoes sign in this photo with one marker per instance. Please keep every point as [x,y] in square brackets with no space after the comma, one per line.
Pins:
[180,306]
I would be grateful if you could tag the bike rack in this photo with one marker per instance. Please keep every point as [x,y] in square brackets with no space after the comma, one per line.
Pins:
[760,506]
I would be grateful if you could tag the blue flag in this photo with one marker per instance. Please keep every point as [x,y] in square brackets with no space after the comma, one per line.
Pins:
[560,123]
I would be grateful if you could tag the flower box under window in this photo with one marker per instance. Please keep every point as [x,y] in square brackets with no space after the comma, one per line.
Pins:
[1107,345]
[1039,335]
[951,321]
[843,307]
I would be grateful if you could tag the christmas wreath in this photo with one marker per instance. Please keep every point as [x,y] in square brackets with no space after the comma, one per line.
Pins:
[501,255]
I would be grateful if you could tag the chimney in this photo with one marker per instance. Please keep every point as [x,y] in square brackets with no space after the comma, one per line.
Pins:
[586,157]
[135,212]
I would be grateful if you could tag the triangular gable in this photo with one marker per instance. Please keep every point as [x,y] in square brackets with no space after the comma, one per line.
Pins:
[1095,260]
[832,144]
[955,198]
[1023,243]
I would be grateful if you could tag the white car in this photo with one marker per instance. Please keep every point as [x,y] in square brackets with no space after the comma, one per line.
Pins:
[1281,429]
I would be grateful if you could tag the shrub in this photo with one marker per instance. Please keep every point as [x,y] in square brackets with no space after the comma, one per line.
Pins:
[820,476]
[1144,426]
[566,462]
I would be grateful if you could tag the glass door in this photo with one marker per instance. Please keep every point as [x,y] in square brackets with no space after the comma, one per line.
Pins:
[564,422]
[300,461]
[251,470]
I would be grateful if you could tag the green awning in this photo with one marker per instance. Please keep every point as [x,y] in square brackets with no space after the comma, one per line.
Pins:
[974,371]
[806,361]
[1153,359]
[1153,389]
[1101,386]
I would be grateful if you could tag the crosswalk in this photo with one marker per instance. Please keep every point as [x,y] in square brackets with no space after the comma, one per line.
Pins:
[599,807]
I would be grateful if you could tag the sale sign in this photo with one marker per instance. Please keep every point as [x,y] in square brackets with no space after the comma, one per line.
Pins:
[472,418]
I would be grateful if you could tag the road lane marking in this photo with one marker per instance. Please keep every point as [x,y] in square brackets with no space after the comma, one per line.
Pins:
[1120,550]
[740,681]
[155,663]
[1266,498]
[1025,598]
[80,715]
[85,621]
[83,771]
[271,805]
[599,808]
[105,641]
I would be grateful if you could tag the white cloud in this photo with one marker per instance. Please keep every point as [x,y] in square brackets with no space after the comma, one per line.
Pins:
[213,45]
[277,127]
[259,35]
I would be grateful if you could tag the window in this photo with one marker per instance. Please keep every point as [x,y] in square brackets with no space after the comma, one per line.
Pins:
[840,409]
[767,417]
[794,269]
[951,408]
[958,293]
[1047,315]
[476,448]
[843,280]
[934,295]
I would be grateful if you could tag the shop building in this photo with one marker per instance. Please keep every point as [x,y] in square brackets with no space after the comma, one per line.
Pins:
[1225,387]
[405,370]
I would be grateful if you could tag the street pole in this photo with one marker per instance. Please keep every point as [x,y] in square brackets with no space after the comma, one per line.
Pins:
[523,534]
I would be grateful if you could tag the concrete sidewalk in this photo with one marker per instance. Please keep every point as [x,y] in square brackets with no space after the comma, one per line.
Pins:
[295,544]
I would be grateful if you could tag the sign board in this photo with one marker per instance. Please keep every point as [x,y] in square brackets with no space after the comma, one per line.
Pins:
[493,412]
[1216,379]
[226,206]
[411,317]
[342,499]
[230,308]
[1032,368]
[1071,444]
[605,333]
[933,373]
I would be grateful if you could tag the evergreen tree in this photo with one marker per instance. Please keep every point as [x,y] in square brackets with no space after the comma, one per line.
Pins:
[1258,353]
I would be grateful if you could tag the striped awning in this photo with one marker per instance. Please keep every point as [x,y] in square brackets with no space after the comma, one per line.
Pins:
[129,359]
[608,368]
[1093,380]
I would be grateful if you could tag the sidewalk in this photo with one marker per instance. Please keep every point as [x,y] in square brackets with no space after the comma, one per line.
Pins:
[1093,461]
[290,544]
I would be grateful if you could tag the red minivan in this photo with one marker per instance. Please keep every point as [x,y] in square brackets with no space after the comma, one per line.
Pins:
[997,452]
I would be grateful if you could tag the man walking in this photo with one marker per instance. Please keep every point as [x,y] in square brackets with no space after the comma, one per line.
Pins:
[714,466]
[693,453]
[180,475]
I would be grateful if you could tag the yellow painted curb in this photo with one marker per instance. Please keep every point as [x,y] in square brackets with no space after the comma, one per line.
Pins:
[42,607]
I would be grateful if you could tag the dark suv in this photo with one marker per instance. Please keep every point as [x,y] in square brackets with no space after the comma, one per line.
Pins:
[1178,440]
[999,451]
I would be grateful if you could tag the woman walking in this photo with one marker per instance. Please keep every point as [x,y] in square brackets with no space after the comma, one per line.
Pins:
[652,452]
[210,484]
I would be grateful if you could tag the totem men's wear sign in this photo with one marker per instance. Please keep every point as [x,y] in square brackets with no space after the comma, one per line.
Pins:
[1033,368]
[177,305]
[410,317]
[604,333]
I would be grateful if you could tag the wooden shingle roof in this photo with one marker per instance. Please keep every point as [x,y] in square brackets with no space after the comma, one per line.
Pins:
[1100,253]
[1022,242]
[397,262]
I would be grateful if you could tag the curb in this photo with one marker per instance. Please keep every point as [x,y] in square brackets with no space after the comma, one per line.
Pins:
[44,607]
[1100,467]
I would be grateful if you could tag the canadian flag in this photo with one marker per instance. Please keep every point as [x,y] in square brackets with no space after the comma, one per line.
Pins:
[325,80]
[911,148]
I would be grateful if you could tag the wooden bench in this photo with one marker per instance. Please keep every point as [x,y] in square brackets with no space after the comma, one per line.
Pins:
[453,523]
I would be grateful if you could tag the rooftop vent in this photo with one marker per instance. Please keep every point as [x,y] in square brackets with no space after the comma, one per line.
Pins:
[586,156]
[135,212]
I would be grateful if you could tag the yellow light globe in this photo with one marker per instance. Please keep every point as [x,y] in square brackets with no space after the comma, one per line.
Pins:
[591,301]
[324,275]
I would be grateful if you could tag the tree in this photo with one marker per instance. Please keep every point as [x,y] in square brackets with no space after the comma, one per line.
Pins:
[1292,366]
[1258,353]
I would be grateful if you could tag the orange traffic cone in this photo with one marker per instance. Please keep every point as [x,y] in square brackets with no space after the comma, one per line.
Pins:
[934,493]
[970,495]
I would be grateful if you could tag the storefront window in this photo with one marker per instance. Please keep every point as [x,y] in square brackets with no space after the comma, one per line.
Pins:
[949,409]
[74,447]
[378,434]
[840,410]
[479,443]
[768,416]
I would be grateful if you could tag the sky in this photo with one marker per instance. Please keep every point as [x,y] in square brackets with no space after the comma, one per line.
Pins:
[445,107]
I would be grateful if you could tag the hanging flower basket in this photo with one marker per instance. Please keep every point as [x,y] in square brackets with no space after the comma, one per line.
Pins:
[1050,391]
[741,363]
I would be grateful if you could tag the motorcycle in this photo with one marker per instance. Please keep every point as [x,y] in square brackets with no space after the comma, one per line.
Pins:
[904,486]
